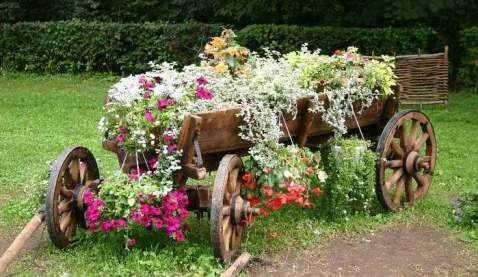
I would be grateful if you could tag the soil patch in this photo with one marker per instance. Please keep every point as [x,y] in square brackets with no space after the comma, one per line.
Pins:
[400,250]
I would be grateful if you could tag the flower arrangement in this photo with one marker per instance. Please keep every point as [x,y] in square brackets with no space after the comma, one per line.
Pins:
[225,55]
[143,115]
[295,177]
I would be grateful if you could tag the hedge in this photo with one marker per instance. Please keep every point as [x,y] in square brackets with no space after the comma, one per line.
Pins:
[79,46]
[286,38]
[468,71]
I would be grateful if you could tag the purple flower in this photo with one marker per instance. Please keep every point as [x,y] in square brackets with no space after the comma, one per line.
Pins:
[152,162]
[172,147]
[122,129]
[202,81]
[158,79]
[202,93]
[147,95]
[149,116]
[164,103]
[168,136]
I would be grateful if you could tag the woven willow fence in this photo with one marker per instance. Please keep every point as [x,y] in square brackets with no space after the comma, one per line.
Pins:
[423,78]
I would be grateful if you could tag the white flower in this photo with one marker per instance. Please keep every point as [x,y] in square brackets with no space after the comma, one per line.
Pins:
[322,176]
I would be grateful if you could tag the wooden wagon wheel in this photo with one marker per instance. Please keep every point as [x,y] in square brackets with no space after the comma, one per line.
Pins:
[407,155]
[74,170]
[228,208]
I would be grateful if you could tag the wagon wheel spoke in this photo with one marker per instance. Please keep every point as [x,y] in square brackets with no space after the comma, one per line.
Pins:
[227,232]
[64,206]
[75,171]
[394,164]
[68,180]
[409,189]
[83,172]
[425,162]
[67,193]
[398,190]
[65,220]
[393,178]
[413,132]
[233,186]
[402,137]
[70,231]
[397,149]
[419,143]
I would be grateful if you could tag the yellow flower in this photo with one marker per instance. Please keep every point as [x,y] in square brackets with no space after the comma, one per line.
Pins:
[217,42]
[233,51]
[244,51]
[221,67]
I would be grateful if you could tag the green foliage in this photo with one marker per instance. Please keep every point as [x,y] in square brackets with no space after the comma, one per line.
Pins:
[78,46]
[469,59]
[467,210]
[349,188]
[287,38]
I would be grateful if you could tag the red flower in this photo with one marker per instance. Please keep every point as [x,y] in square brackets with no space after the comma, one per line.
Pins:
[316,191]
[251,185]
[247,176]
[337,52]
[267,190]
[309,170]
[254,201]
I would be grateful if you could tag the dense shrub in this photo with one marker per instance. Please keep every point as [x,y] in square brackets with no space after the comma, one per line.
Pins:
[286,38]
[468,70]
[349,188]
[466,211]
[77,46]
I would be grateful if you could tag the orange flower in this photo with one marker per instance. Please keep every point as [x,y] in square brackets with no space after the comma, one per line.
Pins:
[217,42]
[316,191]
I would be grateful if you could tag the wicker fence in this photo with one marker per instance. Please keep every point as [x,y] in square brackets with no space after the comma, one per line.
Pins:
[424,78]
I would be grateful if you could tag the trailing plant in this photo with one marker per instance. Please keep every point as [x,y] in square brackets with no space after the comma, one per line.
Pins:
[345,78]
[349,188]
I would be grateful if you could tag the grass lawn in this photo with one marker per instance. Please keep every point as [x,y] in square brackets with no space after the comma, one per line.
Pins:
[41,115]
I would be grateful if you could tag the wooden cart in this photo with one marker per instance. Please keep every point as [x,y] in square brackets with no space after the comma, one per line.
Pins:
[405,144]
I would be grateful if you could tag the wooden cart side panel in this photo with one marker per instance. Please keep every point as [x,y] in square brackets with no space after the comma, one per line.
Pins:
[191,127]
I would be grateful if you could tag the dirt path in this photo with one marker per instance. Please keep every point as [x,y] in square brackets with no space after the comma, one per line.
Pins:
[397,251]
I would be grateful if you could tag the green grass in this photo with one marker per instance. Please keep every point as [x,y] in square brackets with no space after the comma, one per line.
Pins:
[41,115]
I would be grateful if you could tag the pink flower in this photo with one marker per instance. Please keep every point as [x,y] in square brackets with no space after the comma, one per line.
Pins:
[168,136]
[149,116]
[134,174]
[122,129]
[158,223]
[164,103]
[202,93]
[87,197]
[202,81]
[147,95]
[172,147]
[120,138]
[146,84]
[349,56]
[152,162]
[180,236]
[131,242]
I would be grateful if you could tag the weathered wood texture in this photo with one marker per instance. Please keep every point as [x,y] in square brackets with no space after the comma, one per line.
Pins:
[423,77]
